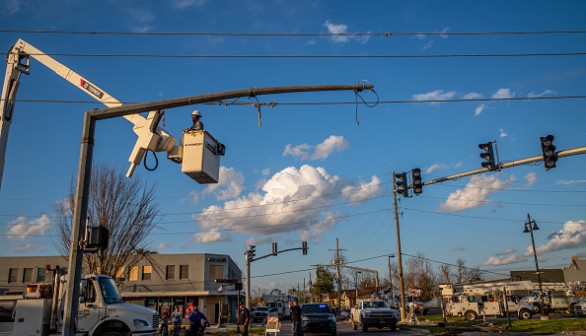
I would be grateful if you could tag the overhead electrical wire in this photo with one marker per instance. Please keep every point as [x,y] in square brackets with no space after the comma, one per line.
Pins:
[275,104]
[143,55]
[321,34]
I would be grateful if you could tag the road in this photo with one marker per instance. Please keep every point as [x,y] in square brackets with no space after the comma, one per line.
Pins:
[345,328]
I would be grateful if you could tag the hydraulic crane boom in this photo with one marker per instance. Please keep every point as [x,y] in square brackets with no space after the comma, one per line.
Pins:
[150,136]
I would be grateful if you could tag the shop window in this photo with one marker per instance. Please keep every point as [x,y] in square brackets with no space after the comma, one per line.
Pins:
[120,273]
[133,273]
[216,272]
[41,274]
[27,275]
[183,272]
[147,271]
[13,275]
[170,272]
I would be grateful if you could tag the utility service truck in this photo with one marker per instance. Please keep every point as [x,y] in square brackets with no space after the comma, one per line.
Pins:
[483,300]
[101,312]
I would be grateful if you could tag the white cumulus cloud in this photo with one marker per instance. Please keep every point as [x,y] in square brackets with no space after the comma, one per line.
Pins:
[229,185]
[541,94]
[530,179]
[503,93]
[364,191]
[212,236]
[434,95]
[475,193]
[337,29]
[291,200]
[436,166]
[334,143]
[572,235]
[479,109]
[21,228]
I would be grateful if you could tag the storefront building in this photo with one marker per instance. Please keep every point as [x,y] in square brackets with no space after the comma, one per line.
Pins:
[172,280]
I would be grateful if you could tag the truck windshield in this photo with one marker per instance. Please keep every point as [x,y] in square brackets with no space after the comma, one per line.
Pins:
[109,290]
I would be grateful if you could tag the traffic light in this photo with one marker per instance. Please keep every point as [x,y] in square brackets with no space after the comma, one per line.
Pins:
[416,180]
[304,247]
[488,155]
[274,248]
[401,184]
[548,149]
[252,251]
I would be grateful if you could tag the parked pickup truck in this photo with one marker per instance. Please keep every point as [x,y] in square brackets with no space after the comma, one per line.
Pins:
[374,313]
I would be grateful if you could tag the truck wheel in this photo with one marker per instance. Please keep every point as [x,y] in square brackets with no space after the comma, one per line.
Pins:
[470,315]
[393,327]
[112,333]
[524,314]
[364,327]
[539,309]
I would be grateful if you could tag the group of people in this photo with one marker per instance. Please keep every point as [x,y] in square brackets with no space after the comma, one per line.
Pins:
[195,317]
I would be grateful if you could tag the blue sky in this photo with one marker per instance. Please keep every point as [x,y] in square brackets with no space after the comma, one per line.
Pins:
[311,172]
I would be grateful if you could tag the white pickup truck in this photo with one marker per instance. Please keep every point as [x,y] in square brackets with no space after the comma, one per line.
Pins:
[374,313]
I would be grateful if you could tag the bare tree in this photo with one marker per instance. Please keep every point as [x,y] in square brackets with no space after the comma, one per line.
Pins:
[467,274]
[422,275]
[126,208]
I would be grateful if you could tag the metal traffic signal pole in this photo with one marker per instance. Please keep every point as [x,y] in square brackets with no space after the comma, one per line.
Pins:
[250,256]
[85,164]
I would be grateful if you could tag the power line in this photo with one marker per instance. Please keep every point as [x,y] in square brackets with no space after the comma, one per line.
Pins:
[386,102]
[321,34]
[217,56]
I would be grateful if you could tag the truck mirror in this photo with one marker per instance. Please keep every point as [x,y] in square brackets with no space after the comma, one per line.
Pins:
[81,299]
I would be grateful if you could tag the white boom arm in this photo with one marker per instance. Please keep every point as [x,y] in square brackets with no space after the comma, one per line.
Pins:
[18,62]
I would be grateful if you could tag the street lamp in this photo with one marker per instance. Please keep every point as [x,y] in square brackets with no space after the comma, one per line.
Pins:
[531,225]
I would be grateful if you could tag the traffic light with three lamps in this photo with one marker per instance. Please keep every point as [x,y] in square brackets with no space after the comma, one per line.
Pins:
[252,251]
[401,184]
[548,150]
[488,155]
[304,247]
[416,180]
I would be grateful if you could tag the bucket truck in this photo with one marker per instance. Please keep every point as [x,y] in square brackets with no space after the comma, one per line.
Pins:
[39,311]
[200,159]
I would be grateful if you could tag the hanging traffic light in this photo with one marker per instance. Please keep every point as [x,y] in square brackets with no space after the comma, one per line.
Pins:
[275,248]
[416,180]
[304,247]
[401,184]
[252,251]
[548,150]
[488,155]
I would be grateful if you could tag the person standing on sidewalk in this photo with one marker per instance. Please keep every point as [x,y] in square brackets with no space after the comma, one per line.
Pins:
[243,319]
[296,318]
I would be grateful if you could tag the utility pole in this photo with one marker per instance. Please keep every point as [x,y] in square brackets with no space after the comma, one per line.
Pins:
[400,255]
[531,225]
[338,276]
[85,163]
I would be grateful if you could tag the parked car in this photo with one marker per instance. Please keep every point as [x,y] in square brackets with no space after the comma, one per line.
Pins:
[318,318]
[259,314]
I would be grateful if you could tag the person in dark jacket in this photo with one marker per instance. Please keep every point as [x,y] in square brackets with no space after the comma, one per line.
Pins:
[243,319]
[195,319]
[296,318]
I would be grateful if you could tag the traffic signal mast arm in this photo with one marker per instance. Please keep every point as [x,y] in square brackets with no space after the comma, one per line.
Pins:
[533,159]
[275,252]
[150,137]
